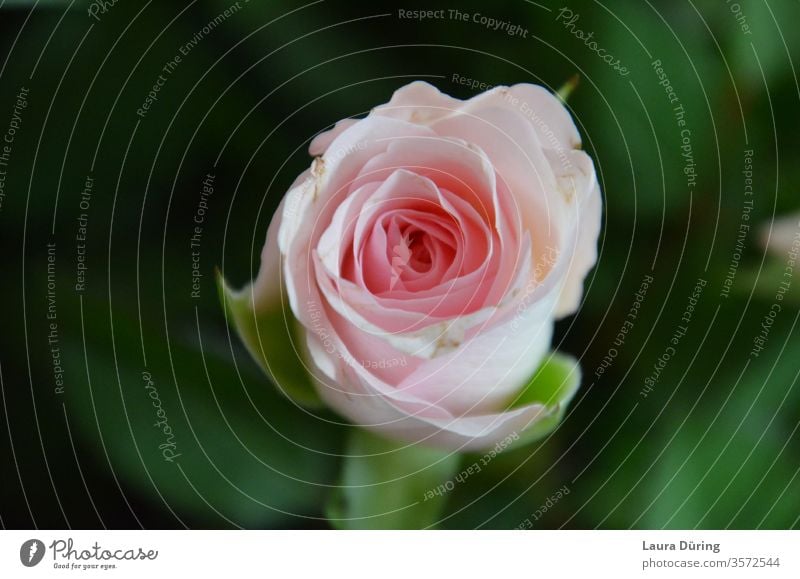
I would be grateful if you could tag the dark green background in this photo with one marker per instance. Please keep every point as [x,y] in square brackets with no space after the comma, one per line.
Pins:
[714,445]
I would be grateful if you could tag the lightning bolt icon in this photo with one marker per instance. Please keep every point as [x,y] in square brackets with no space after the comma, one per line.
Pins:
[32,552]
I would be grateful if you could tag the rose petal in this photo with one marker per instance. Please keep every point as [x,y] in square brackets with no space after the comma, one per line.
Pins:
[418,102]
[492,365]
[322,141]
[310,205]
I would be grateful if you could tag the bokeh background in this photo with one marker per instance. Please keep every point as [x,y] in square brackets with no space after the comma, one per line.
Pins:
[713,444]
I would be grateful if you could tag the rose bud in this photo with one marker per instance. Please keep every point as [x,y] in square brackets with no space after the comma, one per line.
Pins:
[781,235]
[424,257]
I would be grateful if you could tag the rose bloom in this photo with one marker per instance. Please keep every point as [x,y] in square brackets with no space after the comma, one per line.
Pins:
[781,235]
[426,254]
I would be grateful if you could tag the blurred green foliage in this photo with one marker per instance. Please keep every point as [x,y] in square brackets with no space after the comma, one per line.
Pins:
[715,444]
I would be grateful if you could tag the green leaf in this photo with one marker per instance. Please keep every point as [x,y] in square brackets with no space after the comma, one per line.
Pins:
[554,384]
[236,453]
[270,335]
[731,463]
[764,280]
[390,485]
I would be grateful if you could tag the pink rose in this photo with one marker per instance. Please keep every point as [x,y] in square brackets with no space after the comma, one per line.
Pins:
[426,254]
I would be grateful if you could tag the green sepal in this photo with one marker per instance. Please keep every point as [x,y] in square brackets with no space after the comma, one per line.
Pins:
[270,334]
[567,88]
[554,384]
